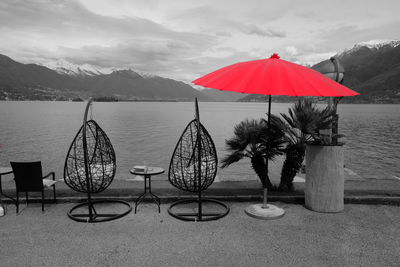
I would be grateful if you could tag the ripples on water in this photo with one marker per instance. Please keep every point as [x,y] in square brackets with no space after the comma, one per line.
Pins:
[372,139]
[146,133]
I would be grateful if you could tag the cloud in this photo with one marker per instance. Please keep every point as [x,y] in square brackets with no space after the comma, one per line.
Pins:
[305,14]
[261,31]
[308,55]
[50,30]
[292,50]
[70,20]
[345,36]
[165,57]
[223,34]
[184,38]
[208,62]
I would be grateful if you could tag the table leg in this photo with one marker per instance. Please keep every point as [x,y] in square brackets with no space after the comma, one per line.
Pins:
[155,198]
[2,193]
[1,200]
[139,200]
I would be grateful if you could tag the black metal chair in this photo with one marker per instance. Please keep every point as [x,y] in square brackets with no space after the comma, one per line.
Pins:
[193,168]
[28,178]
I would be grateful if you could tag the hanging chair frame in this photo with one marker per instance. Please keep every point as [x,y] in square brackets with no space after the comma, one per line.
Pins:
[200,215]
[92,216]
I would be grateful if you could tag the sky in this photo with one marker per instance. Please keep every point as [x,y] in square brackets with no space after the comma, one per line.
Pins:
[185,39]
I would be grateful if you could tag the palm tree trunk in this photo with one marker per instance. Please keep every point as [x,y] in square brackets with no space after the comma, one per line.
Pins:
[259,166]
[291,165]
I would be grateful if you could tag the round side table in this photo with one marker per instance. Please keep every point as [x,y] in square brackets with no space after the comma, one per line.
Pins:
[147,173]
[4,171]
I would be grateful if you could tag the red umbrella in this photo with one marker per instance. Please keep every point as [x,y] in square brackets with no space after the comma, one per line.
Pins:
[273,76]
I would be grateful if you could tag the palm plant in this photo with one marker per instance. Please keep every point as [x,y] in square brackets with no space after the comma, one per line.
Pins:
[252,139]
[301,125]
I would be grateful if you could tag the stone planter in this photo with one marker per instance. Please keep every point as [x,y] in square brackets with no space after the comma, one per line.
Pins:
[324,191]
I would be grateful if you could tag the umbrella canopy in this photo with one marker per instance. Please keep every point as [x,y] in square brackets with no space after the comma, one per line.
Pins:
[273,76]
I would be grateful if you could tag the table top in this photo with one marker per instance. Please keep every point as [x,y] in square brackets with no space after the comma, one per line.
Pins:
[150,171]
[5,170]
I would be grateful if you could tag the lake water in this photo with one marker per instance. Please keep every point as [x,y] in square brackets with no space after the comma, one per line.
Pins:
[146,133]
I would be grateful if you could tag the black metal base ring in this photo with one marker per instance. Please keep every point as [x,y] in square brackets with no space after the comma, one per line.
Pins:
[197,216]
[98,217]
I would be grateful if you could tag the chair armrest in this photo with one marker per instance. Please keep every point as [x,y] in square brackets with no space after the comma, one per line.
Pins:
[51,173]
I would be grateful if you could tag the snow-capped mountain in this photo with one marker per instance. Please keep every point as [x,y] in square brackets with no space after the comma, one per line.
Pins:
[65,67]
[379,43]
[146,74]
[373,45]
[372,69]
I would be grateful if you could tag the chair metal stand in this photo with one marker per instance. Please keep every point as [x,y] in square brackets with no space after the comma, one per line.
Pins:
[92,216]
[200,215]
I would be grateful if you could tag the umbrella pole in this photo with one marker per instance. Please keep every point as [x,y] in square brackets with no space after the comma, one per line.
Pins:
[265,205]
[332,106]
[265,211]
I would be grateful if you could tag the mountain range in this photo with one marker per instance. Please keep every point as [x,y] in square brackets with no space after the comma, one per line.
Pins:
[35,82]
[371,68]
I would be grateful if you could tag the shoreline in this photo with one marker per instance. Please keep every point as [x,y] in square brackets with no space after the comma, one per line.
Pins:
[182,101]
[383,191]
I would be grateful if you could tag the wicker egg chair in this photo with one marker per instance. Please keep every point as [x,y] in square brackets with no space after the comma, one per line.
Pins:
[90,168]
[193,168]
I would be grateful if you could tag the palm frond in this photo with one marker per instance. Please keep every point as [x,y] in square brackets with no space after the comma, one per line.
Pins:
[253,138]
[274,140]
[306,116]
[232,158]
[246,135]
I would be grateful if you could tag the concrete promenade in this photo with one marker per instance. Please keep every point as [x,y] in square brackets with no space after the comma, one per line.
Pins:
[361,235]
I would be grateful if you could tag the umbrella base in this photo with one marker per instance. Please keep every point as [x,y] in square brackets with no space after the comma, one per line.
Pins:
[270,213]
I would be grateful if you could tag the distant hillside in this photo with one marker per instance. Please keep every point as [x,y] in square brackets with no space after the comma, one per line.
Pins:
[371,68]
[223,96]
[34,82]
[264,98]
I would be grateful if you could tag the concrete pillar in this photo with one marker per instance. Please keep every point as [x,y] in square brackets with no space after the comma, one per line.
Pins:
[324,191]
